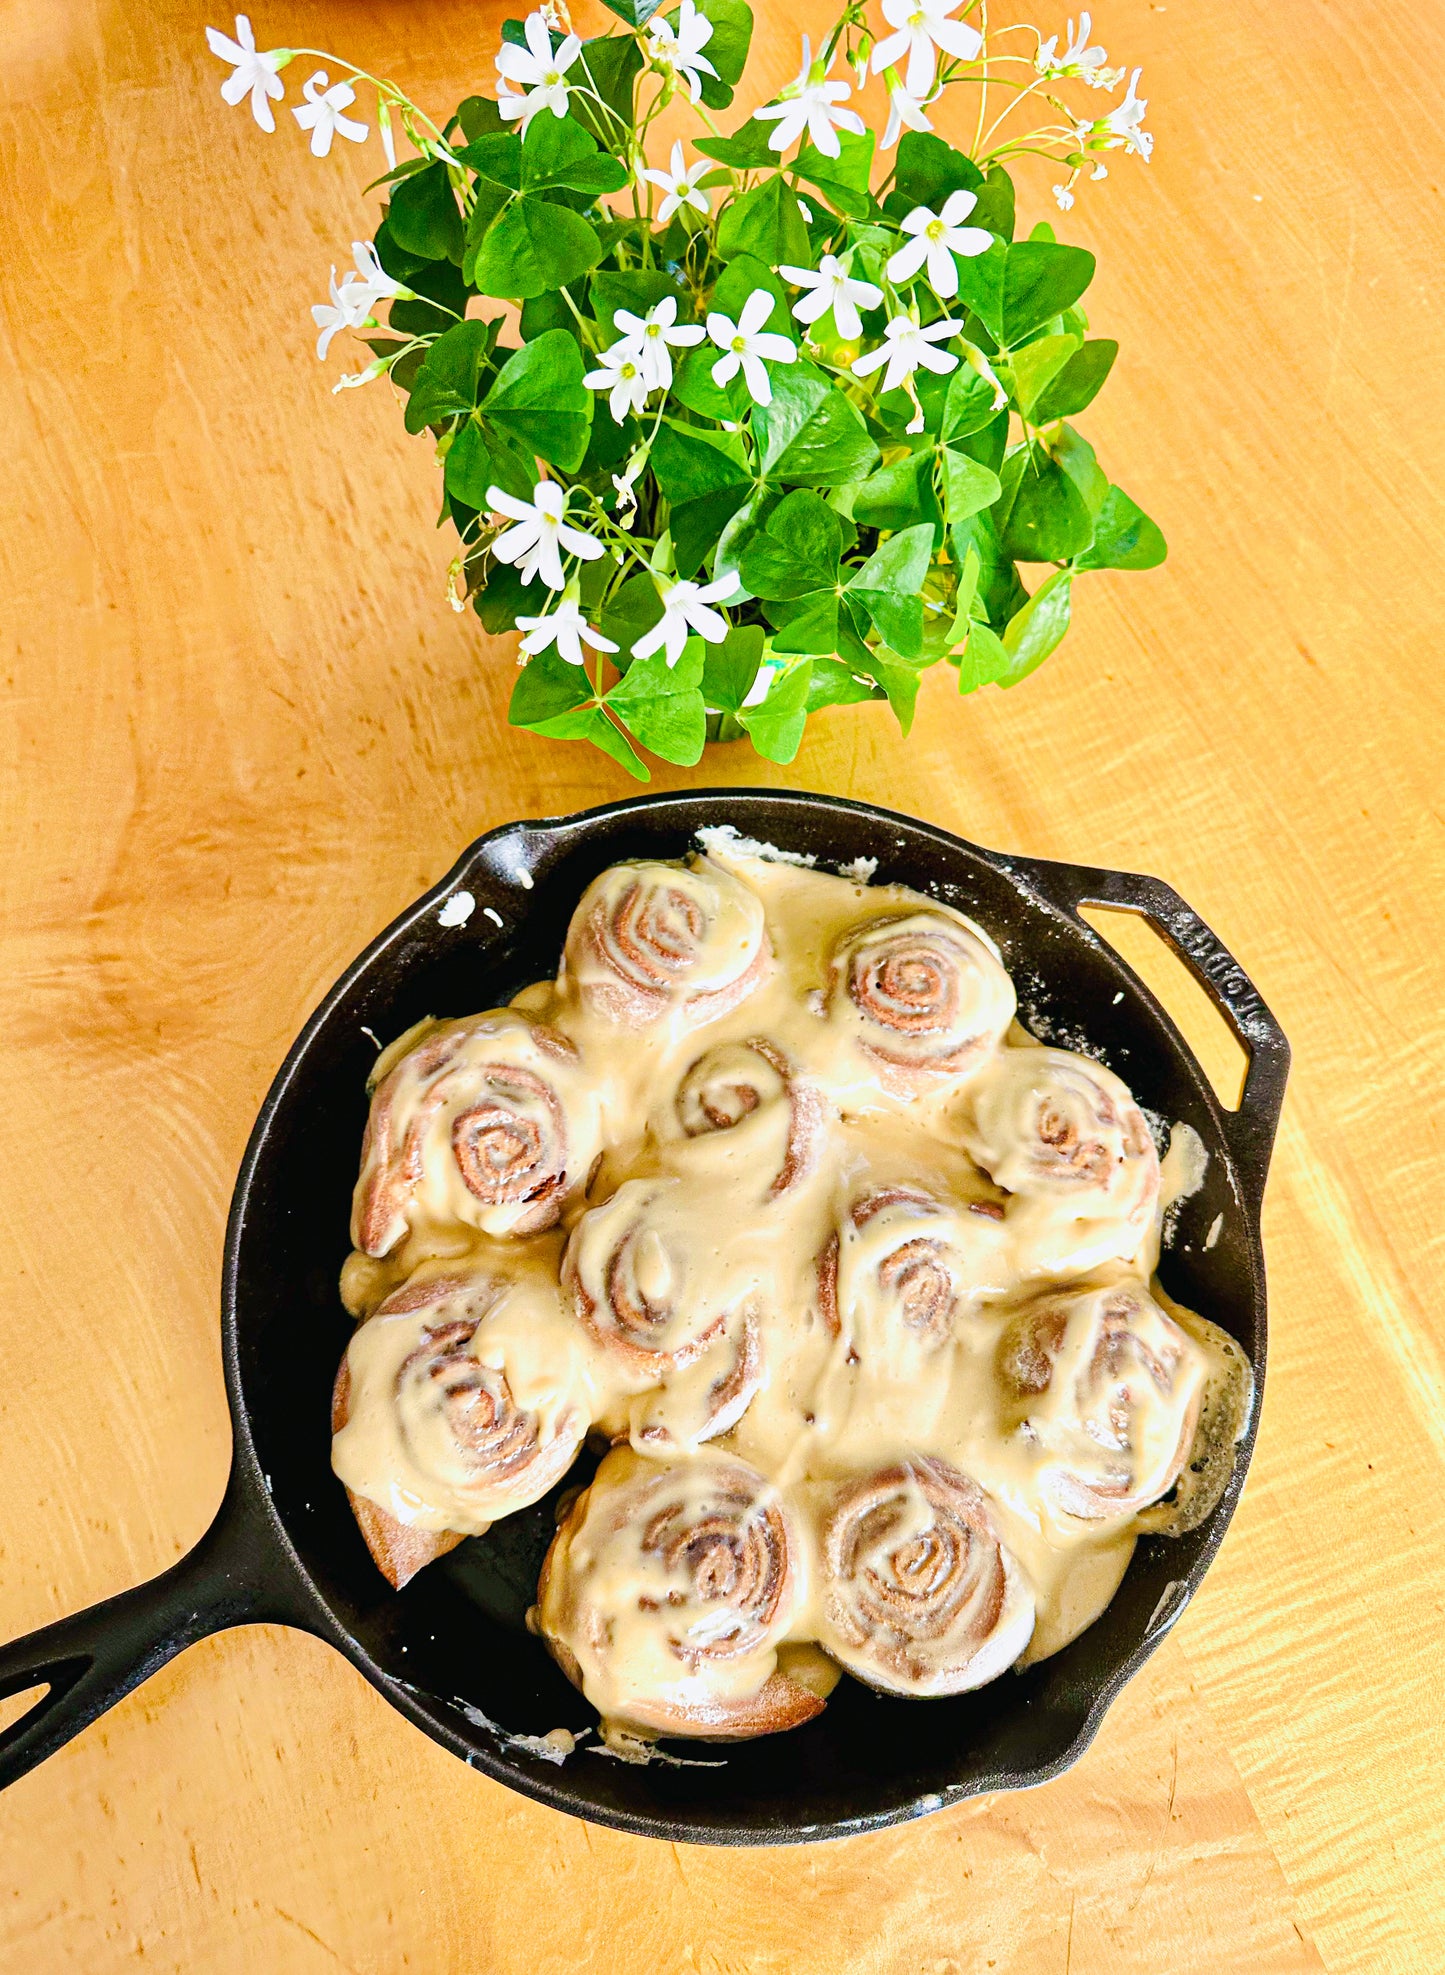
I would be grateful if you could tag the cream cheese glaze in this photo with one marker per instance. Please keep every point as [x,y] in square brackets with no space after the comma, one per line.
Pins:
[769,1193]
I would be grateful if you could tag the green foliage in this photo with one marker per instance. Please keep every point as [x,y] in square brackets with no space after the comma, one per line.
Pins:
[1074,387]
[539,398]
[448,380]
[732,33]
[424,217]
[1041,516]
[765,223]
[747,149]
[533,245]
[928,169]
[811,432]
[843,181]
[870,534]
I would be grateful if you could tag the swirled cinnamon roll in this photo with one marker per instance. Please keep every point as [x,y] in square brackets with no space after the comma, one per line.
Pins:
[668,1591]
[635,1282]
[902,1271]
[705,1399]
[1064,1135]
[460,1401]
[923,995]
[752,1088]
[489,1122]
[654,939]
[918,1594]
[671,1312]
[1103,1394]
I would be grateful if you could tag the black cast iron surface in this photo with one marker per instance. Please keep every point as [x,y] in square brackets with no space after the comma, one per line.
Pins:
[451,1650]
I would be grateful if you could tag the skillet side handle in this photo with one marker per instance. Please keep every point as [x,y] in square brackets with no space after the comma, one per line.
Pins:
[1251,1129]
[236,1575]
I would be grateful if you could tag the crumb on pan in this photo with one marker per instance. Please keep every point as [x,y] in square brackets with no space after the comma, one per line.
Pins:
[723,836]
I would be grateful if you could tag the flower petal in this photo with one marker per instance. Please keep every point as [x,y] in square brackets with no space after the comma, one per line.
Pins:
[908,260]
[756,310]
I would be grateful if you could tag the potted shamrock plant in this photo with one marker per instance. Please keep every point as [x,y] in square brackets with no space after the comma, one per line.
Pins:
[734,431]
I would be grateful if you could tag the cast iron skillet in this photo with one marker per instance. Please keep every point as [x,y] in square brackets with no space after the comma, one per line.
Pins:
[451,1651]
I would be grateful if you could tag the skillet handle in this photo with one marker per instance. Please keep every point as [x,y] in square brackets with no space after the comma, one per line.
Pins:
[1250,1130]
[236,1575]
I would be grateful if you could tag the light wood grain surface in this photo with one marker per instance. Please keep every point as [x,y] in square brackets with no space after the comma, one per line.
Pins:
[242,729]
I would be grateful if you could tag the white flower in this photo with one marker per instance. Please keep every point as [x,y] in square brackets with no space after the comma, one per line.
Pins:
[902,109]
[354,377]
[1063,198]
[349,307]
[744,346]
[566,627]
[620,371]
[907,348]
[1124,122]
[251,74]
[979,364]
[321,113]
[809,103]
[758,691]
[541,73]
[357,296]
[937,237]
[923,27]
[679,51]
[1078,59]
[625,483]
[373,275]
[685,609]
[652,333]
[540,535]
[832,287]
[1120,129]
[680,185]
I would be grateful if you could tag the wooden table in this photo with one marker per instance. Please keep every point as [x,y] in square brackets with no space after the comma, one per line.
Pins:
[244,729]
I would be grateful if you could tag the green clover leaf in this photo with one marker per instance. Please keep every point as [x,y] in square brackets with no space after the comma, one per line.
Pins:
[533,245]
[540,399]
[811,432]
[1124,537]
[775,726]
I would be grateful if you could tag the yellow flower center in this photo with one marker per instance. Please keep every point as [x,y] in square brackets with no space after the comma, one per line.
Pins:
[935,229]
[740,344]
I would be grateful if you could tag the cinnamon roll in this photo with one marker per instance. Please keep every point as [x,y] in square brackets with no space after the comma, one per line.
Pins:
[1064,1135]
[902,1271]
[918,1594]
[637,1284]
[667,1593]
[923,995]
[752,1088]
[708,1397]
[1103,1394]
[489,1122]
[653,939]
[459,1402]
